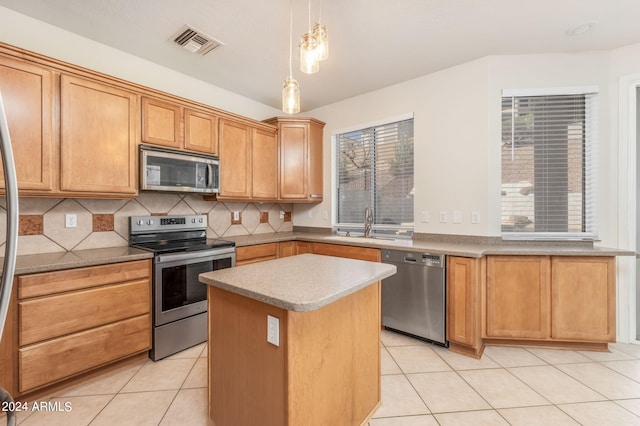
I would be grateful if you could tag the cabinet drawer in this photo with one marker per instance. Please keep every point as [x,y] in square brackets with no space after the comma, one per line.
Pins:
[351,252]
[51,361]
[75,279]
[257,253]
[55,316]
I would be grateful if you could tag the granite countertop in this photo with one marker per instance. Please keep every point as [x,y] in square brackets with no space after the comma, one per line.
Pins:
[299,283]
[463,248]
[47,262]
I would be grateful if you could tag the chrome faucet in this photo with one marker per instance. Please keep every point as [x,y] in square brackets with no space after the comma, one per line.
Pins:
[368,221]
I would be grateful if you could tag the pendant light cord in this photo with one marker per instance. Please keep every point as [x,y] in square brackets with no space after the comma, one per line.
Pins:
[290,37]
[309,16]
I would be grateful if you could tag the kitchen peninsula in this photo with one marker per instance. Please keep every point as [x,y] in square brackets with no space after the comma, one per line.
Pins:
[322,314]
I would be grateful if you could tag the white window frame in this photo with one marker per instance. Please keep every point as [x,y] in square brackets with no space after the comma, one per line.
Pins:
[591,234]
[341,228]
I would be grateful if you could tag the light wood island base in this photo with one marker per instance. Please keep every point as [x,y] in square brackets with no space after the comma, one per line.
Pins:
[326,368]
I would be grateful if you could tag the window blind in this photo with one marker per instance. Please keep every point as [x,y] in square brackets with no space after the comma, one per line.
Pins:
[375,170]
[548,167]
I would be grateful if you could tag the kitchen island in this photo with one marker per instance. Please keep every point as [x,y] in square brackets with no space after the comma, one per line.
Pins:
[321,364]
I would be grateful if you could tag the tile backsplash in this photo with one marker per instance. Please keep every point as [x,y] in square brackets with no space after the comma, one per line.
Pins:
[105,223]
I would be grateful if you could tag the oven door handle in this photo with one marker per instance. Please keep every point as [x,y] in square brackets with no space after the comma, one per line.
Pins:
[165,258]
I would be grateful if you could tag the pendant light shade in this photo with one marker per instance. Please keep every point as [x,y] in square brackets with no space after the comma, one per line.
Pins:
[290,96]
[322,37]
[309,62]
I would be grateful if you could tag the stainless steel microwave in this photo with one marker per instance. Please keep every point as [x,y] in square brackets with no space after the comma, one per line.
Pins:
[178,171]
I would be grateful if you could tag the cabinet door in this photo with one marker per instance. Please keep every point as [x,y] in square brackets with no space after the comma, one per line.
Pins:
[293,160]
[235,159]
[463,289]
[161,123]
[517,297]
[315,183]
[98,138]
[303,247]
[265,165]
[583,305]
[286,248]
[27,94]
[200,132]
[256,253]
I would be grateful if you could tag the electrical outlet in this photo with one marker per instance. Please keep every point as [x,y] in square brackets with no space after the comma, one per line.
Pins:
[457,216]
[273,330]
[424,216]
[236,216]
[444,217]
[281,214]
[70,220]
[475,217]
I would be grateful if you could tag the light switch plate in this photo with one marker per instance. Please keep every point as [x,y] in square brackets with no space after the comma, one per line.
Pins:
[457,216]
[444,217]
[273,330]
[475,217]
[424,216]
[70,220]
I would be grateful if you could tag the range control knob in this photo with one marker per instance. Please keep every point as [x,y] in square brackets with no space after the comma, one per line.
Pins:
[140,222]
[201,220]
[149,222]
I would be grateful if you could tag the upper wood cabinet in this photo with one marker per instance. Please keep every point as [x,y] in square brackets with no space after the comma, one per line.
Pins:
[98,125]
[178,126]
[264,159]
[248,162]
[235,159]
[200,131]
[301,174]
[27,93]
[161,123]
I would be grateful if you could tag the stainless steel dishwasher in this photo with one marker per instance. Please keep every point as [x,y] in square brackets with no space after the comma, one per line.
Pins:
[413,300]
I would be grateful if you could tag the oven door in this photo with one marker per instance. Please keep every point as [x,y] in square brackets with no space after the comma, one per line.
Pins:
[177,292]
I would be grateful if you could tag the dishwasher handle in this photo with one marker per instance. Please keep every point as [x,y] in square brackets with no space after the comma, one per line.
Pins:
[410,259]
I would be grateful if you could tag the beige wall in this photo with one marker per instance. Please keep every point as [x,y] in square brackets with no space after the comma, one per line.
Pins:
[22,31]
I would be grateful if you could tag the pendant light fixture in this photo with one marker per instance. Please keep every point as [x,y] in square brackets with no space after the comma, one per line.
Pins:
[322,37]
[290,88]
[309,62]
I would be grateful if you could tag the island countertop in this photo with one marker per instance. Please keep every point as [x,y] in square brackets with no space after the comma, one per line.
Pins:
[299,283]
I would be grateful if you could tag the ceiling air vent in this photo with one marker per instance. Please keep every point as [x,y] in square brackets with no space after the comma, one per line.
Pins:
[195,41]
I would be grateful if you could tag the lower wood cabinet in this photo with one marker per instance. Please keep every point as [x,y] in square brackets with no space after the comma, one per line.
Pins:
[557,301]
[517,297]
[583,298]
[351,252]
[256,253]
[463,304]
[72,321]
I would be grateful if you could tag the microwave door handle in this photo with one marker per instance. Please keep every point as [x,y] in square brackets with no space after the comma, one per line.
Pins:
[210,176]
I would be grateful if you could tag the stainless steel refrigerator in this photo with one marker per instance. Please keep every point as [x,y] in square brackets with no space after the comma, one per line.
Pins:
[11,245]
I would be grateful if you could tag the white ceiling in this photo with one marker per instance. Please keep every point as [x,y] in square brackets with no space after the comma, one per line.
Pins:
[373,43]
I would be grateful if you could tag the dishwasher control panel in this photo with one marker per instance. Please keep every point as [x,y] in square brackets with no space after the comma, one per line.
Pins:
[423,259]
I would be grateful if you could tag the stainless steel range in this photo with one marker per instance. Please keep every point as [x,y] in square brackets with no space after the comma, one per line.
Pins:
[181,252]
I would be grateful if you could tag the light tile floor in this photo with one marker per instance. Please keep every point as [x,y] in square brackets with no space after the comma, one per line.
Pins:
[422,385]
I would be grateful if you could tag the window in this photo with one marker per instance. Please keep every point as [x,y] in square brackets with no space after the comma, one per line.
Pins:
[375,170]
[548,170]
